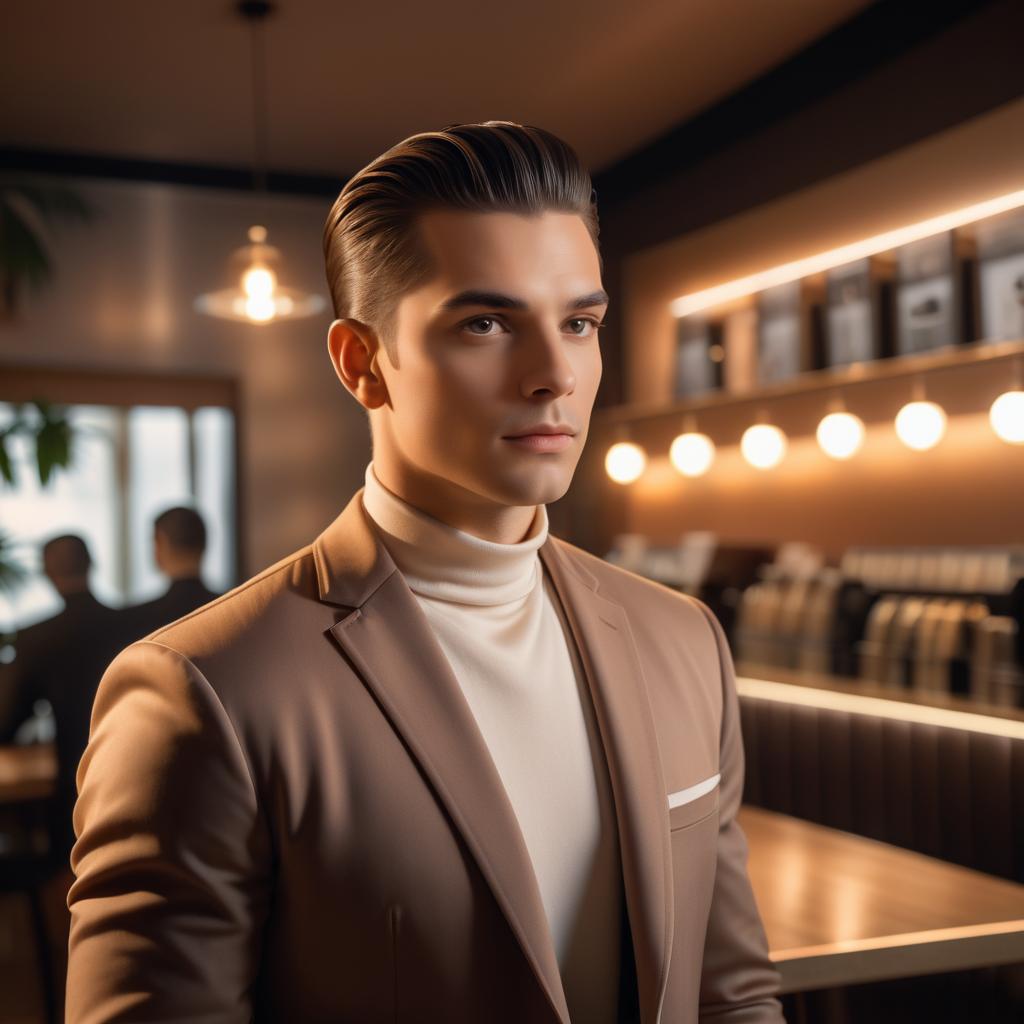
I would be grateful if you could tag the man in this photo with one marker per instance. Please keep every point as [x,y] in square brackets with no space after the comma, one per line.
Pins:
[179,542]
[437,765]
[61,659]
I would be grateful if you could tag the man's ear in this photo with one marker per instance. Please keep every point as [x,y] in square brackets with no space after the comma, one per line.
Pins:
[354,348]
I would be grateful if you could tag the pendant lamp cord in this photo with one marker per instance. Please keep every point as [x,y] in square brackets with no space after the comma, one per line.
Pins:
[256,12]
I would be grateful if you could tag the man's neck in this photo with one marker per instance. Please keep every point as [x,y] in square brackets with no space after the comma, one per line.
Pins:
[455,506]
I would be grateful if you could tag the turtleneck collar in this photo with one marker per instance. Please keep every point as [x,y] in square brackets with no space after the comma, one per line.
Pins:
[443,562]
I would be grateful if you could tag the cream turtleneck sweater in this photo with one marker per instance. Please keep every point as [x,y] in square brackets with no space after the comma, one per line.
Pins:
[500,624]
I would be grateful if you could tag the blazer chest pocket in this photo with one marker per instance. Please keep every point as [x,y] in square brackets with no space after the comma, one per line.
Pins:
[694,803]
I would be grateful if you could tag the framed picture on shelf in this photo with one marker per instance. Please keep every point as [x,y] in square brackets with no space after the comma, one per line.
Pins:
[858,318]
[934,293]
[699,356]
[787,330]
[1000,243]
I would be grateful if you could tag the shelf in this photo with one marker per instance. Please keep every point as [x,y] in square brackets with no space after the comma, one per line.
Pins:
[808,688]
[812,381]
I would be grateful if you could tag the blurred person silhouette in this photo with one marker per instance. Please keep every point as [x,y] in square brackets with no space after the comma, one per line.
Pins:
[179,542]
[61,659]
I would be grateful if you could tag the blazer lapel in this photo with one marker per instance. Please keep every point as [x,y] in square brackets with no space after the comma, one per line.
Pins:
[392,645]
[607,648]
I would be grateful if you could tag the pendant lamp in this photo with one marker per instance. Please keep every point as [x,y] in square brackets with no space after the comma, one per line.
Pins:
[256,295]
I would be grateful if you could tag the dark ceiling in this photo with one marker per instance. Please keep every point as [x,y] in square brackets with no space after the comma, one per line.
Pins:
[171,83]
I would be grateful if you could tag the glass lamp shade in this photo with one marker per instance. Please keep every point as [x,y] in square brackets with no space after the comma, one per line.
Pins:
[692,453]
[920,425]
[763,445]
[624,462]
[1007,416]
[840,435]
[257,297]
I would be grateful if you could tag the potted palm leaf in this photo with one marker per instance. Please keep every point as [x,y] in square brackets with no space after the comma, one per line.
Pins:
[28,211]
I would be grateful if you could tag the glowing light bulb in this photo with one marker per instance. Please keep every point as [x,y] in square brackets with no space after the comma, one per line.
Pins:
[921,425]
[259,307]
[259,282]
[625,462]
[763,445]
[692,453]
[1007,416]
[840,435]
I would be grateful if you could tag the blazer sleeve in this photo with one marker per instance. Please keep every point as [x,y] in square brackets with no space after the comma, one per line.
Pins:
[739,982]
[171,853]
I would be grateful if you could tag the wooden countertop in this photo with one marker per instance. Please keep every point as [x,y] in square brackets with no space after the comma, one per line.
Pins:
[840,908]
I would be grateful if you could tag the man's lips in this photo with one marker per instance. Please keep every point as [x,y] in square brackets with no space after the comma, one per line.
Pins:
[541,442]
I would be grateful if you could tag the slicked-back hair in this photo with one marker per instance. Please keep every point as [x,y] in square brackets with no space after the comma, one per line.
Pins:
[371,252]
[184,529]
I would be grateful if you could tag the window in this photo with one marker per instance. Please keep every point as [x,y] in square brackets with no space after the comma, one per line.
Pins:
[129,464]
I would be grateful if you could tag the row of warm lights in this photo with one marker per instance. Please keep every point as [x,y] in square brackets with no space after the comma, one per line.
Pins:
[920,425]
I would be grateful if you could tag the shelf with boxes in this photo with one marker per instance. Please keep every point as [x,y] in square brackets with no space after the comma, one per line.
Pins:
[906,621]
[942,622]
[918,300]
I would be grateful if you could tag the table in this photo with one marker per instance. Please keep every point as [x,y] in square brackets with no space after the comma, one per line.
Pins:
[839,908]
[27,772]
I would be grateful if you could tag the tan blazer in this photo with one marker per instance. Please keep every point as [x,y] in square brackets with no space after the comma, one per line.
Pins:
[287,812]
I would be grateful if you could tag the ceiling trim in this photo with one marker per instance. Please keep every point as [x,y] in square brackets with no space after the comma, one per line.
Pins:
[875,36]
[94,165]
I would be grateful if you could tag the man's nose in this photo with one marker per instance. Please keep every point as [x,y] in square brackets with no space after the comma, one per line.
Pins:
[548,366]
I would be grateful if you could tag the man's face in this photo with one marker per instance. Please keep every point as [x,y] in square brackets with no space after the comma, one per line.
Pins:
[520,351]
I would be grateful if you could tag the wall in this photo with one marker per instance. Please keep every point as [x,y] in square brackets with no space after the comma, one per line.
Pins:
[968,490]
[879,85]
[122,300]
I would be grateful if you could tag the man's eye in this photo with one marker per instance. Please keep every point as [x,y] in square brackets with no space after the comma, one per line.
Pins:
[481,320]
[581,331]
[585,321]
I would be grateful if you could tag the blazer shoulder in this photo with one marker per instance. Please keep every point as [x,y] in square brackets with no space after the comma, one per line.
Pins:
[629,588]
[250,605]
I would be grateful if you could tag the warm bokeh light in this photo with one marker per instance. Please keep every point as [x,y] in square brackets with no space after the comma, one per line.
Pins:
[258,298]
[692,453]
[840,435]
[259,282]
[1007,416]
[921,425]
[259,307]
[763,445]
[686,305]
[625,462]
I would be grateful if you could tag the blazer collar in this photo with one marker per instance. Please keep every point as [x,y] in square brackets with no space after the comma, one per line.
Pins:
[387,637]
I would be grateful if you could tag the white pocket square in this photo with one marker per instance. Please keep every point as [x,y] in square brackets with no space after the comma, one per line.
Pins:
[684,796]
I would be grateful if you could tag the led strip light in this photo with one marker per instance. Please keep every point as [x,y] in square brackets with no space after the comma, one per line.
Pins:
[695,302]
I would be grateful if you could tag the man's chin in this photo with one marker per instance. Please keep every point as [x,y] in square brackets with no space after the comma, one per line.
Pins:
[539,487]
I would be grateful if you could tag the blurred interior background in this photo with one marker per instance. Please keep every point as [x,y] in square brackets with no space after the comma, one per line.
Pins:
[809,209]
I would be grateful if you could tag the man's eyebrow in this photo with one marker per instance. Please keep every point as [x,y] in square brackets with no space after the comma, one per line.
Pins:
[497,300]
